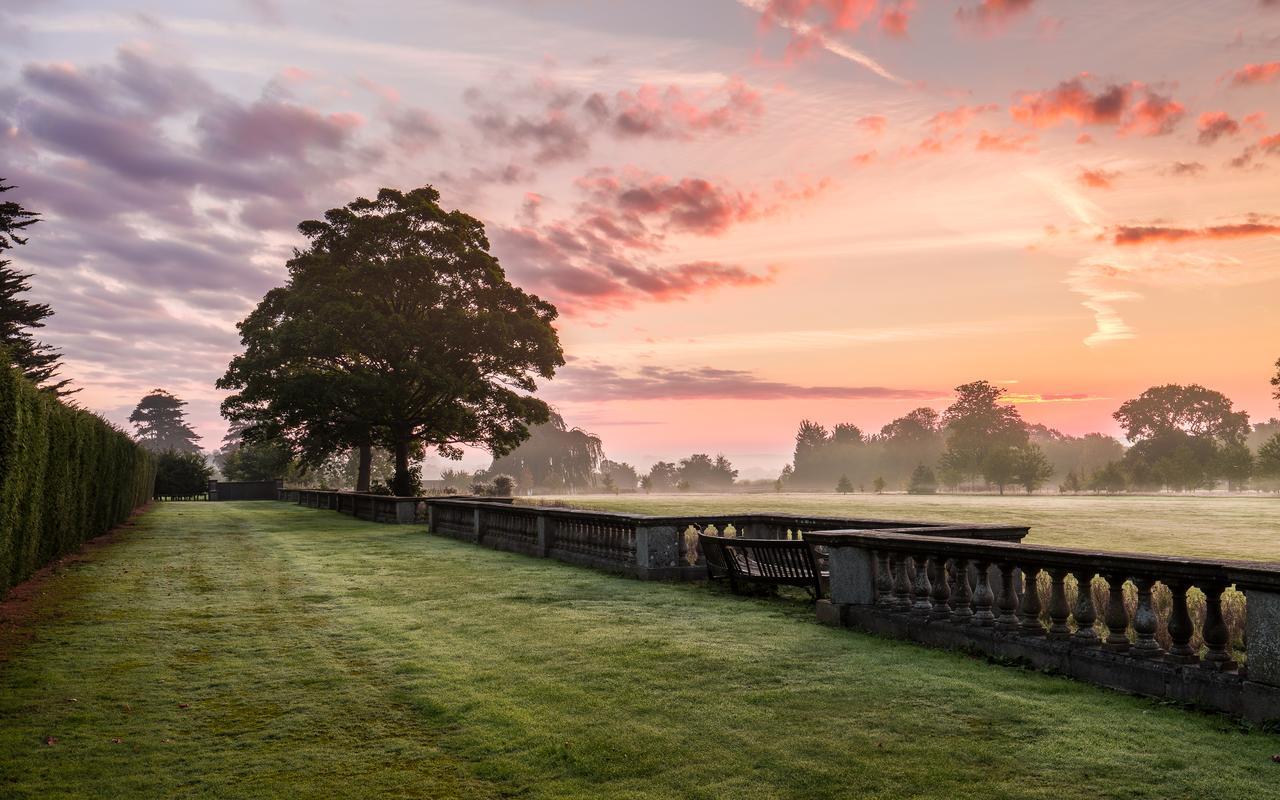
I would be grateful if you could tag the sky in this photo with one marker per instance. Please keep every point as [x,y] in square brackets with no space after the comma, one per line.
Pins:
[748,212]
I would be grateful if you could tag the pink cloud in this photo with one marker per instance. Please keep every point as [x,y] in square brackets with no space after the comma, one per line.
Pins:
[1184,168]
[1153,115]
[957,119]
[1256,74]
[672,113]
[874,125]
[864,158]
[1133,109]
[594,381]
[557,123]
[1213,125]
[993,16]
[1005,142]
[1098,178]
[603,255]
[895,18]
[1266,146]
[810,20]
[1254,225]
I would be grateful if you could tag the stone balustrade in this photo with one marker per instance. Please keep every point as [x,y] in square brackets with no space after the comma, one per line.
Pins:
[372,507]
[1150,625]
[651,547]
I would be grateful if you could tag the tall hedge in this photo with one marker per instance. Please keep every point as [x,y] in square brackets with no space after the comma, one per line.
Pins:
[66,475]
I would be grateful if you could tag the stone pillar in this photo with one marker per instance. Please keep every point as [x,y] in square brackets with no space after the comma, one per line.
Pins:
[476,531]
[406,511]
[853,576]
[431,517]
[1262,632]
[541,523]
[657,550]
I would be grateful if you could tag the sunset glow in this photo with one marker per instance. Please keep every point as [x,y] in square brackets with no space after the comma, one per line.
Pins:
[748,212]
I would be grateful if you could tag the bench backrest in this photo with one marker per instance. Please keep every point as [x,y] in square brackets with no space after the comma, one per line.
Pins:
[789,561]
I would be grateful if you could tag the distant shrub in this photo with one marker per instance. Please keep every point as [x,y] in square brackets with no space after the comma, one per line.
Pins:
[180,474]
[66,475]
[502,486]
[923,481]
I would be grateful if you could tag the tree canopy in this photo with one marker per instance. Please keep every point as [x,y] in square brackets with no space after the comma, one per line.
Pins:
[1193,410]
[554,457]
[161,424]
[37,361]
[399,327]
[979,428]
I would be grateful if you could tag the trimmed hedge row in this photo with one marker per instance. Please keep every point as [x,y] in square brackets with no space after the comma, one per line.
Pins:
[66,475]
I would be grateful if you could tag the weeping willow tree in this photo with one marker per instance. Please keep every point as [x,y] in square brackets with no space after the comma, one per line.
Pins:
[554,458]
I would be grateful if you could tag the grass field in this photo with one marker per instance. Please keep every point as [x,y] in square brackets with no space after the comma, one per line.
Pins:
[263,650]
[1242,527]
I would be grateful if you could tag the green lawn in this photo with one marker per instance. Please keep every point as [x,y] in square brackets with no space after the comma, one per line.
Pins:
[1243,527]
[263,650]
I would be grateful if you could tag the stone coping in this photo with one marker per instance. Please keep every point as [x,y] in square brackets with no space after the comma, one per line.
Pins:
[1198,571]
[983,531]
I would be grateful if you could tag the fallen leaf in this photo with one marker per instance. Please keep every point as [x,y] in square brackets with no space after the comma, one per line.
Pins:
[51,740]
[1276,758]
[115,740]
[184,705]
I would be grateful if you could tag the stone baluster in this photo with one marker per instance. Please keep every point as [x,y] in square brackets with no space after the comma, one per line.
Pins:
[922,606]
[1029,611]
[983,597]
[1180,628]
[901,584]
[1215,633]
[961,597]
[941,589]
[884,580]
[1059,611]
[1117,617]
[1145,622]
[1084,611]
[1008,601]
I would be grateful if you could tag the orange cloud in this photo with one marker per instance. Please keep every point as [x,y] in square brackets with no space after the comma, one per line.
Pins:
[1214,125]
[895,18]
[863,159]
[1098,178]
[874,125]
[1133,108]
[991,16]
[671,112]
[958,118]
[1256,74]
[1184,168]
[1146,234]
[1154,115]
[1005,142]
[811,21]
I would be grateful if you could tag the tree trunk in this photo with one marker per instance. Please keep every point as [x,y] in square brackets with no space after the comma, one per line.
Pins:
[402,484]
[366,466]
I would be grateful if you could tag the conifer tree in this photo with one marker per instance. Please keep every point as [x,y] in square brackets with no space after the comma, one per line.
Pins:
[18,317]
[161,424]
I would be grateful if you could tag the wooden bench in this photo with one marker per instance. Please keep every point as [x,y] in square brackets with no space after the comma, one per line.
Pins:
[773,562]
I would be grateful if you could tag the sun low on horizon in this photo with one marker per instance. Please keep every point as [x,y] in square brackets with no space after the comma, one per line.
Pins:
[747,212]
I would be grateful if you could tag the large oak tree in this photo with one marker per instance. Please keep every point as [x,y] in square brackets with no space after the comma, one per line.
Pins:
[396,325]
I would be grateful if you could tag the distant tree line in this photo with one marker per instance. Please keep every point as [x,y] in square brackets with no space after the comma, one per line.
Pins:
[1181,438]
